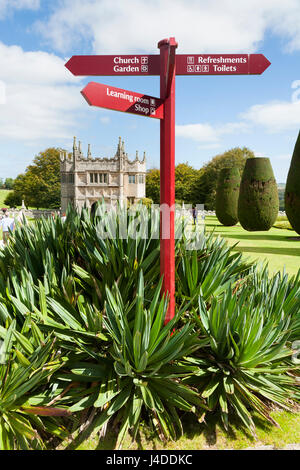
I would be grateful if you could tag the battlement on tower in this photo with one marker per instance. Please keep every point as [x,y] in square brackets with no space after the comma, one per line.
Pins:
[79,156]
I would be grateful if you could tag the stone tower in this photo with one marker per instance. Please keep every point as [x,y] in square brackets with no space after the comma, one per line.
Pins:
[85,180]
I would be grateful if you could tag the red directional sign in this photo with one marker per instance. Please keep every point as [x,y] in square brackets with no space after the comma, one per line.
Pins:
[221,64]
[167,64]
[186,64]
[106,96]
[114,65]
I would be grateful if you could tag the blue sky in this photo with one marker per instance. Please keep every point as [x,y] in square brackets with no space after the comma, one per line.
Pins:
[41,105]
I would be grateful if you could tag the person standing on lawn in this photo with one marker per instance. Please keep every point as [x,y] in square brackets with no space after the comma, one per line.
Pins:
[194,214]
[7,223]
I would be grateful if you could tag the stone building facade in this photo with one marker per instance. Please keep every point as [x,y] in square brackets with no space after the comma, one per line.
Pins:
[85,180]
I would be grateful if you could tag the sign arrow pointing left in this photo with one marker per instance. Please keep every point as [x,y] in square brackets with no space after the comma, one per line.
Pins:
[109,97]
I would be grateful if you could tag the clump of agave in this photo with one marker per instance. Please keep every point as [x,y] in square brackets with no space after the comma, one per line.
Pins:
[82,320]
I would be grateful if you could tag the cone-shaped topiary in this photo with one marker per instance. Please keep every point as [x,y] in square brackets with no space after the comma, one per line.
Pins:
[227,196]
[292,189]
[258,203]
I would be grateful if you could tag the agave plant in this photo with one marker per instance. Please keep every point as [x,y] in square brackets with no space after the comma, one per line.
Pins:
[278,293]
[245,366]
[101,298]
[209,270]
[141,374]
[21,375]
[47,245]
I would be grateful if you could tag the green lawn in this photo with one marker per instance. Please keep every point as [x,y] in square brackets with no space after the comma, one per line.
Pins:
[3,194]
[209,435]
[275,246]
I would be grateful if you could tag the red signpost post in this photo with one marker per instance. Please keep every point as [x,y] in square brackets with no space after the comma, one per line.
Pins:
[167,65]
[167,171]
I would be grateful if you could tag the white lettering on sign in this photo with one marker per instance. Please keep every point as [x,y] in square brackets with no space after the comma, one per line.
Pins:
[119,94]
[127,60]
[128,68]
[141,109]
[141,100]
[222,60]
[224,68]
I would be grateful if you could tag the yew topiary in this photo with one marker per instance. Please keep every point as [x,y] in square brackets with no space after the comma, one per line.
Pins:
[227,196]
[258,202]
[292,189]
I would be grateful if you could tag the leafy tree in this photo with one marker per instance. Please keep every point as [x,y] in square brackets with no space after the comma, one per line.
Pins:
[1,184]
[281,193]
[13,199]
[186,184]
[153,185]
[9,183]
[39,186]
[207,184]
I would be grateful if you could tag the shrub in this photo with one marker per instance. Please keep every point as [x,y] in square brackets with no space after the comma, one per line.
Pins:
[25,367]
[147,201]
[258,202]
[13,199]
[227,350]
[227,196]
[247,365]
[292,190]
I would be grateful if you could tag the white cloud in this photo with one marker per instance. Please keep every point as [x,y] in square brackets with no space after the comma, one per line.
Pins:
[276,116]
[273,117]
[199,26]
[42,100]
[9,5]
[18,66]
[105,120]
[207,133]
[209,146]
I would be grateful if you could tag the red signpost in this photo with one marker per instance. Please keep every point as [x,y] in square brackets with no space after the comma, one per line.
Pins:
[114,65]
[186,64]
[167,171]
[221,64]
[167,65]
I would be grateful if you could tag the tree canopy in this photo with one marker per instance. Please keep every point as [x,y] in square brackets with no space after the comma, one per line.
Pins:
[39,186]
[153,185]
[186,178]
[207,184]
[198,186]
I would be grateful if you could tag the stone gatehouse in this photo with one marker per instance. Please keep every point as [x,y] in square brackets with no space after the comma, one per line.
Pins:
[85,180]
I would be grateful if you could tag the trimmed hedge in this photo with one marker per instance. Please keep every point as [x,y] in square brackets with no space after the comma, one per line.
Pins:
[227,196]
[292,189]
[258,203]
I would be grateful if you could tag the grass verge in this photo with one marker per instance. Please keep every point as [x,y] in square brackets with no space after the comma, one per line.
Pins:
[209,436]
[278,247]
